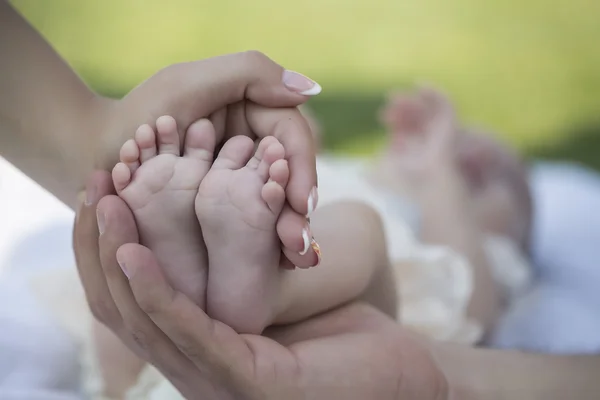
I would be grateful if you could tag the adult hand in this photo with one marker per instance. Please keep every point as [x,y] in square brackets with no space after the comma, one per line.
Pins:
[234,91]
[352,353]
[56,130]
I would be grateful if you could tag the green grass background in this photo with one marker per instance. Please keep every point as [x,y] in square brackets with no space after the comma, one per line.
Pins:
[529,70]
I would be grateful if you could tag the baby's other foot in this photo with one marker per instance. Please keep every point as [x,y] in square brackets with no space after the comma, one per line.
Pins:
[159,184]
[238,205]
[404,115]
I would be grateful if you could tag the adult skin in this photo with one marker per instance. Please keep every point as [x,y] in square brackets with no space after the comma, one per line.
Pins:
[353,353]
[52,125]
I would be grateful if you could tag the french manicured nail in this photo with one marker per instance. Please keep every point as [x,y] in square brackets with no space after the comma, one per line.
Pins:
[317,249]
[306,237]
[101,221]
[300,84]
[123,268]
[313,200]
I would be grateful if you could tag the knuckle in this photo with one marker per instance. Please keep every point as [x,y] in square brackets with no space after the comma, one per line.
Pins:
[140,336]
[193,351]
[169,75]
[254,57]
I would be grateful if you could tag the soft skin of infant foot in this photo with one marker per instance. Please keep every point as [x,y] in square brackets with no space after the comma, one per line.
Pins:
[159,182]
[238,205]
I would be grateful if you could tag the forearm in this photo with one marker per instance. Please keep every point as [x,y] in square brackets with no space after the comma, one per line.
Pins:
[447,220]
[48,116]
[505,375]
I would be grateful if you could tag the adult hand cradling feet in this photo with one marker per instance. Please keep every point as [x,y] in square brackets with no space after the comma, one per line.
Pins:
[237,106]
[50,111]
[352,353]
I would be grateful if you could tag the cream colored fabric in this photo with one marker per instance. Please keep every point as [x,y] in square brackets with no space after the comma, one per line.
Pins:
[434,283]
[62,293]
[511,270]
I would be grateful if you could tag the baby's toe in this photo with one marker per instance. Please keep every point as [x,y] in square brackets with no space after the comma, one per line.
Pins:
[273,152]
[280,172]
[121,175]
[200,141]
[274,195]
[273,192]
[146,141]
[235,153]
[168,137]
[262,147]
[130,155]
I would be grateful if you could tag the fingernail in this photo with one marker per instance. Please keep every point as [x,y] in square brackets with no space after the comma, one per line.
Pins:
[313,199]
[300,84]
[317,249]
[90,194]
[306,236]
[100,219]
[123,267]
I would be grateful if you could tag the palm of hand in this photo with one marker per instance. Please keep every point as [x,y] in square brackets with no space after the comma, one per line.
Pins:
[352,353]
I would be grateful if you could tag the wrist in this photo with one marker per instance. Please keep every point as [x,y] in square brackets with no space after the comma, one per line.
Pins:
[94,125]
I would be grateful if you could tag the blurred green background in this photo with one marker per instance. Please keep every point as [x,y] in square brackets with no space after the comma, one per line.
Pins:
[529,70]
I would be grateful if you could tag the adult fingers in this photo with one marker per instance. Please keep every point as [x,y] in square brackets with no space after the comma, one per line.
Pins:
[248,75]
[86,249]
[193,90]
[217,350]
[137,330]
[291,129]
[296,238]
[117,227]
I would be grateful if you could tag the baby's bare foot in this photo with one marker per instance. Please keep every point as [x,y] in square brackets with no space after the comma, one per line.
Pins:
[159,184]
[238,205]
